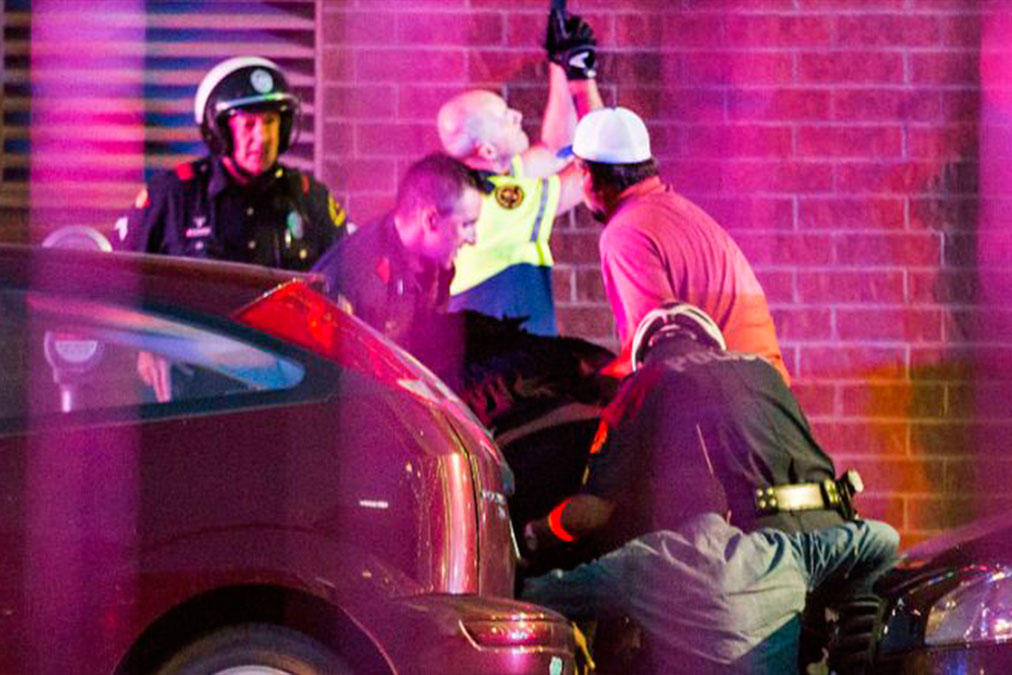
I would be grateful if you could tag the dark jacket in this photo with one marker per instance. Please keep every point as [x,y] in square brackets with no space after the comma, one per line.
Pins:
[732,408]
[370,271]
[284,219]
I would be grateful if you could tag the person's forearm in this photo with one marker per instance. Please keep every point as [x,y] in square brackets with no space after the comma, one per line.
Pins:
[572,519]
[585,96]
[559,118]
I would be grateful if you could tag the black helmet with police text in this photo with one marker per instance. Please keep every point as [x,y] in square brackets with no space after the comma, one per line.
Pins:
[679,316]
[243,83]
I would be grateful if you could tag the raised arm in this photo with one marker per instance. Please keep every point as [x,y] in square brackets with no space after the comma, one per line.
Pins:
[572,93]
[559,118]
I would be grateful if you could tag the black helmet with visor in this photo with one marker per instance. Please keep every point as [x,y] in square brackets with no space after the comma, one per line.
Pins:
[243,83]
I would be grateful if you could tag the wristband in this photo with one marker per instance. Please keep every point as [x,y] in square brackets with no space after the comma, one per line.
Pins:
[555,522]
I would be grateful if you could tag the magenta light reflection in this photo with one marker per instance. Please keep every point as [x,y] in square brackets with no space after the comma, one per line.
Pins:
[77,543]
[87,131]
[991,330]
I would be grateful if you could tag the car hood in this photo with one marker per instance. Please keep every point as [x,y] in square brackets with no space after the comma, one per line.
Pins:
[985,542]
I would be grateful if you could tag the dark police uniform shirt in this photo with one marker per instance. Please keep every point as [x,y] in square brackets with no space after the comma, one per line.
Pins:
[370,272]
[734,409]
[284,219]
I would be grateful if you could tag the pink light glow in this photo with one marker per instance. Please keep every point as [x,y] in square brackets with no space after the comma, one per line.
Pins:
[82,72]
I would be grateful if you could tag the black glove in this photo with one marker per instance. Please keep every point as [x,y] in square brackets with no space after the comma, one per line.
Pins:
[570,42]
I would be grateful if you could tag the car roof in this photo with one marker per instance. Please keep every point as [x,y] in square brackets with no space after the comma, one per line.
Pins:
[205,286]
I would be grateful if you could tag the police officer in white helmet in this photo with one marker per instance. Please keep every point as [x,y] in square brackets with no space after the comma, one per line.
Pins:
[238,203]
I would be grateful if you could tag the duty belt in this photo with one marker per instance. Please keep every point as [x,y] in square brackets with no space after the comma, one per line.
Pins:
[830,495]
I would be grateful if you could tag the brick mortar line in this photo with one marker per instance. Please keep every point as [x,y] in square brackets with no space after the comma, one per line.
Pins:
[535,49]
[791,87]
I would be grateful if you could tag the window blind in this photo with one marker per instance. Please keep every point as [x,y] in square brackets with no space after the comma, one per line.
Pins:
[98,95]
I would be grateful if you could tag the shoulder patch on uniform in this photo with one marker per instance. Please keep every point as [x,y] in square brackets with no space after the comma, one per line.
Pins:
[143,200]
[185,171]
[383,269]
[599,438]
[305,184]
[509,196]
[336,213]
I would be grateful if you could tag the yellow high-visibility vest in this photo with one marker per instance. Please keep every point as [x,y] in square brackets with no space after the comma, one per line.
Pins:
[514,227]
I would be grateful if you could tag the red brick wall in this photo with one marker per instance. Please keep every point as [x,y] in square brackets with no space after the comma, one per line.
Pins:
[837,140]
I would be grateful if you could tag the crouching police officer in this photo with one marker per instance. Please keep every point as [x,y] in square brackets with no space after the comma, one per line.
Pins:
[724,509]
[239,203]
[688,394]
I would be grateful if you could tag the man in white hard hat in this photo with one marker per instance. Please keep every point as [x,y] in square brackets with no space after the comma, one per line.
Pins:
[659,247]
[508,273]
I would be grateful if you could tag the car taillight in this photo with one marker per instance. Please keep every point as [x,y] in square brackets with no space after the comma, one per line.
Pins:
[511,632]
[298,314]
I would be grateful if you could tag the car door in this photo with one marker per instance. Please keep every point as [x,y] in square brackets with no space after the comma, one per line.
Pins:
[76,491]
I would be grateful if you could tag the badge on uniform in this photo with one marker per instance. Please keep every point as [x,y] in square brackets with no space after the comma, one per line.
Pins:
[294,224]
[335,212]
[509,196]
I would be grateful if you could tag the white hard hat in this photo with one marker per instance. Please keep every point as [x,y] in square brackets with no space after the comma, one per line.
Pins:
[612,136]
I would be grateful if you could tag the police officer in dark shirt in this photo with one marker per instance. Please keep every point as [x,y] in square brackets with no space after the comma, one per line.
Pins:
[397,271]
[239,203]
[689,395]
[687,398]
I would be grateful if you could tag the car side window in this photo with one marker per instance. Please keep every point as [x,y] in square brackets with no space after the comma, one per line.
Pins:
[63,355]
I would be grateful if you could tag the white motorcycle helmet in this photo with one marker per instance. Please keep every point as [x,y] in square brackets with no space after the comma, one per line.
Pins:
[674,315]
[244,83]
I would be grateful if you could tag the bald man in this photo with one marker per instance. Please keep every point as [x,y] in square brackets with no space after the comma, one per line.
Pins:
[508,273]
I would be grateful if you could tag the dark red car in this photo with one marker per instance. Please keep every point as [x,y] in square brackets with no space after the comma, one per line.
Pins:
[307,500]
